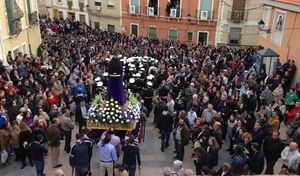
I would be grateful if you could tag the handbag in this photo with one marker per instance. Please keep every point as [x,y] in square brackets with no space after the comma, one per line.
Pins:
[4,156]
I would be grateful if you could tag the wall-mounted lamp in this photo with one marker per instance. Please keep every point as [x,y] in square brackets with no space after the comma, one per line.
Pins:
[261,26]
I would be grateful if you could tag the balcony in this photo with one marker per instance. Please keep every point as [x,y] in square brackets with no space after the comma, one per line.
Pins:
[237,16]
[174,13]
[70,4]
[33,18]
[15,27]
[205,15]
[152,11]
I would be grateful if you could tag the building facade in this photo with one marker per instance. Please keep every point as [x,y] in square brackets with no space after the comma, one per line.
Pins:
[106,14]
[42,6]
[282,19]
[75,9]
[19,27]
[187,21]
[238,22]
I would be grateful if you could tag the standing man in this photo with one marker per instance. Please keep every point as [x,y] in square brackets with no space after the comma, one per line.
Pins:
[53,137]
[291,156]
[80,155]
[115,140]
[166,123]
[37,152]
[80,113]
[182,137]
[131,156]
[107,155]
[67,125]
[272,148]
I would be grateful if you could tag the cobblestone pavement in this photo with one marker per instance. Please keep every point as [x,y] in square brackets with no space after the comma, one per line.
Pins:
[153,160]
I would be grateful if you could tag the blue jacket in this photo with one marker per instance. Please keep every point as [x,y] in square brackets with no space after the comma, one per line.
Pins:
[256,163]
[80,152]
[237,164]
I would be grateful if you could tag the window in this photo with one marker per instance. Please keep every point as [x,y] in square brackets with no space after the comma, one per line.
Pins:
[266,19]
[153,7]
[134,6]
[202,38]
[172,34]
[81,6]
[173,8]
[110,3]
[152,32]
[97,3]
[206,9]
[70,4]
[110,28]
[278,27]
[15,52]
[134,29]
[60,15]
[97,25]
[235,35]
[82,18]
[24,50]
[189,36]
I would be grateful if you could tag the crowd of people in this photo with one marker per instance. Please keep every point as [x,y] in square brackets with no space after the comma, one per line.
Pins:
[204,96]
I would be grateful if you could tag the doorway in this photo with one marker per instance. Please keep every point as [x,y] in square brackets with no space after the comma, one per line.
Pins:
[202,38]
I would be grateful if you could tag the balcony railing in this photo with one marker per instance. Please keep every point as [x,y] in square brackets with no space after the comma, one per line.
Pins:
[152,11]
[237,16]
[205,14]
[174,13]
[16,27]
[33,18]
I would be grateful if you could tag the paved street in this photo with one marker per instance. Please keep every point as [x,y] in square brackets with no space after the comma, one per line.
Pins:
[153,160]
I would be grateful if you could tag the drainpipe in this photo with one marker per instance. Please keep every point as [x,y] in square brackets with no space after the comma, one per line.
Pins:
[289,45]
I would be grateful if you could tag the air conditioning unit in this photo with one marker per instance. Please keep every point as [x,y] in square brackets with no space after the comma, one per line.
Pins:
[132,9]
[98,8]
[204,15]
[173,13]
[151,11]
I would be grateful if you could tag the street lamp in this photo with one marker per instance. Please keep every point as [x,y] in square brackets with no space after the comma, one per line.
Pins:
[261,26]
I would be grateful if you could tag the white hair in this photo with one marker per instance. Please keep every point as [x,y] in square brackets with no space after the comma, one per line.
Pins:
[195,96]
[177,164]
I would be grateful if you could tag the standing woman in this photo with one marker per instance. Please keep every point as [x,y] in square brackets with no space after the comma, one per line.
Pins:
[213,151]
[25,138]
[131,156]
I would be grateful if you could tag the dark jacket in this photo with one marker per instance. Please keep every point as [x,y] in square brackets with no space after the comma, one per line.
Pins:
[257,135]
[25,138]
[272,149]
[131,155]
[185,134]
[256,162]
[237,164]
[214,157]
[80,152]
[53,136]
[78,114]
[166,121]
[38,151]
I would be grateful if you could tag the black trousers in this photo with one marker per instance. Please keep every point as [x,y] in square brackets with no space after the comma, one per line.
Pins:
[25,153]
[68,137]
[270,167]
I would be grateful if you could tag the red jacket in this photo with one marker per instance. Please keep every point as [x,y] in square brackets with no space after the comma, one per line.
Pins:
[291,114]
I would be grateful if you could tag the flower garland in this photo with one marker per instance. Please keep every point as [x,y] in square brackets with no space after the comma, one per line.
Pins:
[110,112]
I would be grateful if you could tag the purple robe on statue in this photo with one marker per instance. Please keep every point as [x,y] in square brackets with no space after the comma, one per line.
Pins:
[115,88]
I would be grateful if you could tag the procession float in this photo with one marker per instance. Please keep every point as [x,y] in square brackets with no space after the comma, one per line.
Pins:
[115,105]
